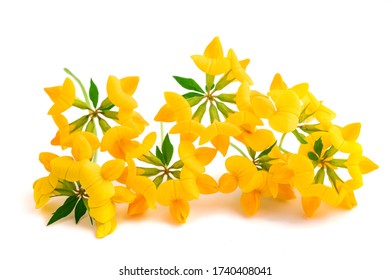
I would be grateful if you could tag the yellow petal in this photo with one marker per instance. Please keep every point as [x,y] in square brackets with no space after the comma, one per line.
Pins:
[118,96]
[310,205]
[250,202]
[179,105]
[123,195]
[62,96]
[261,140]
[227,183]
[303,171]
[257,182]
[345,146]
[145,147]
[112,169]
[145,187]
[214,49]
[262,106]
[104,229]
[45,158]
[243,98]
[129,84]
[179,210]
[165,114]
[207,184]
[205,155]
[187,155]
[237,70]
[104,213]
[242,168]
[278,83]
[351,131]
[367,165]
[138,206]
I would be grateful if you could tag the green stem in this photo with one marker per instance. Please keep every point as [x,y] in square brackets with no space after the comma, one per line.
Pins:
[161,132]
[81,86]
[239,150]
[281,143]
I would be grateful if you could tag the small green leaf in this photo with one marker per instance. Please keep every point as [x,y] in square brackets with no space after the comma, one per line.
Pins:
[176,174]
[106,104]
[104,125]
[225,110]
[151,159]
[227,97]
[213,113]
[188,83]
[93,93]
[80,210]
[309,128]
[90,126]
[146,171]
[338,162]
[199,113]
[330,152]
[167,149]
[64,210]
[160,155]
[85,201]
[320,176]
[194,100]
[110,114]
[267,151]
[251,152]
[312,156]
[192,94]
[333,177]
[318,146]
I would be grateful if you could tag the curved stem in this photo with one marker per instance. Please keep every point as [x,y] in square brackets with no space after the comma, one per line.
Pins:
[81,86]
[239,150]
[281,143]
[161,132]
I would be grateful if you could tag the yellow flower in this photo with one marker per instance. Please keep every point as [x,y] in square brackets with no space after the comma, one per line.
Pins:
[120,92]
[219,133]
[344,139]
[252,192]
[62,96]
[118,141]
[195,159]
[133,120]
[257,139]
[175,194]
[212,62]
[83,144]
[97,182]
[237,70]
[44,189]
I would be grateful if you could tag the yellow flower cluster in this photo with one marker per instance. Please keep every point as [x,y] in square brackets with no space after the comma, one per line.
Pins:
[326,167]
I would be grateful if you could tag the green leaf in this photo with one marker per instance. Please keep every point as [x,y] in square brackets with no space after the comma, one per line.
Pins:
[251,152]
[267,151]
[158,180]
[338,162]
[93,93]
[80,210]
[199,113]
[151,159]
[167,149]
[176,174]
[332,177]
[318,146]
[320,176]
[80,104]
[330,152]
[160,155]
[64,210]
[213,113]
[312,156]
[147,171]
[85,201]
[177,165]
[188,83]
[192,94]
[227,97]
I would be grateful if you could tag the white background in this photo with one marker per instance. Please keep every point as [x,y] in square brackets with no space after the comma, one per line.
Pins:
[340,47]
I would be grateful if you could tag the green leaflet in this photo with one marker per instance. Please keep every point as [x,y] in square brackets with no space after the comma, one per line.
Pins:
[93,93]
[167,149]
[188,83]
[80,210]
[64,210]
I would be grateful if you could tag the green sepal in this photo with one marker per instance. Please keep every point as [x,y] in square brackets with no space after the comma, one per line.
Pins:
[146,171]
[333,177]
[312,156]
[267,151]
[177,165]
[189,95]
[79,123]
[223,82]
[104,125]
[176,174]
[330,152]
[110,114]
[167,149]
[63,192]
[199,113]
[213,111]
[64,210]
[309,128]
[338,162]
[320,176]
[225,110]
[151,159]
[80,210]
[194,100]
[93,93]
[80,104]
[251,152]
[160,155]
[85,201]
[209,82]
[158,180]
[227,97]
[299,137]
[91,126]
[106,104]
[318,146]
[188,83]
